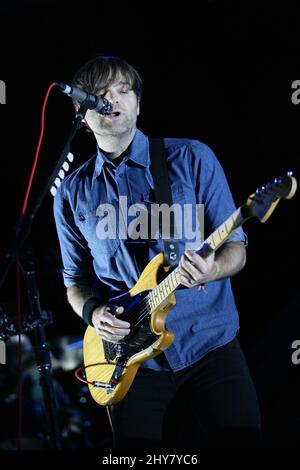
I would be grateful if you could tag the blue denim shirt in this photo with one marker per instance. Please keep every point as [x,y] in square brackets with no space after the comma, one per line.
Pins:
[201,321]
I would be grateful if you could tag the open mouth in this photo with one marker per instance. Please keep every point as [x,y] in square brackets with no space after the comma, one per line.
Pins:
[113,115]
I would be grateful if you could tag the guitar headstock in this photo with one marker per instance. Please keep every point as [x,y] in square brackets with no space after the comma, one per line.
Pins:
[262,203]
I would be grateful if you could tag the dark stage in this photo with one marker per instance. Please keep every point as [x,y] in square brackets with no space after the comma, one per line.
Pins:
[224,73]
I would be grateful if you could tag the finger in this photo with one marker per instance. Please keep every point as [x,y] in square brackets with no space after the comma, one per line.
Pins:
[111,338]
[115,309]
[199,262]
[107,320]
[112,320]
[115,331]
[107,331]
[187,268]
[185,281]
[112,330]
[190,271]
[119,310]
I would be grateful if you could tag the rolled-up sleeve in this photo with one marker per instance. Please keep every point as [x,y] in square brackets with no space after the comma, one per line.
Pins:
[76,258]
[213,191]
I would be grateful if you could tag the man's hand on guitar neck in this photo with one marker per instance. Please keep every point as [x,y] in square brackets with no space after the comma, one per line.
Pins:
[196,271]
[107,325]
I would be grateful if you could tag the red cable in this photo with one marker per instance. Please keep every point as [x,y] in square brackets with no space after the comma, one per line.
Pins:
[37,150]
[109,418]
[80,369]
[76,373]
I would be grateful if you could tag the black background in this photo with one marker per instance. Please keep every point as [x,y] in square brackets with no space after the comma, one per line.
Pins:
[220,72]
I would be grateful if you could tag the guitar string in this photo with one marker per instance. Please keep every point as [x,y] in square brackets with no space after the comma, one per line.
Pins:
[144,310]
[141,315]
[163,281]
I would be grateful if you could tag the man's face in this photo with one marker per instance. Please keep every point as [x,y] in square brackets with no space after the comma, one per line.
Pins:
[125,111]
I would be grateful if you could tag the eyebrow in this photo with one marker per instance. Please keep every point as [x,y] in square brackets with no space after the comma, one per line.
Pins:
[123,83]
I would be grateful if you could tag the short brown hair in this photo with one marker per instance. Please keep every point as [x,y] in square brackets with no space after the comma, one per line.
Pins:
[100,71]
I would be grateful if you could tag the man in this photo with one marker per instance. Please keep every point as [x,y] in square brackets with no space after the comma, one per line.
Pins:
[201,383]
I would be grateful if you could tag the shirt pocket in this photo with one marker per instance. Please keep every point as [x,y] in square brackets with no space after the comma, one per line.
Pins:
[98,226]
[183,194]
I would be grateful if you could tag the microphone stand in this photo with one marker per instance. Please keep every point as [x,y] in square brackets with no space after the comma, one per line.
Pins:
[42,350]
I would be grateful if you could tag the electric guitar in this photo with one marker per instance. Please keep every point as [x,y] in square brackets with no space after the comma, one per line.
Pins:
[111,368]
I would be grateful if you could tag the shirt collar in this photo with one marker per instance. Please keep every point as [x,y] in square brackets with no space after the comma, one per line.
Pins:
[138,152]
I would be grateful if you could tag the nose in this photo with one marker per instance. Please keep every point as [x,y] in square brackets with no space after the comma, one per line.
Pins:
[111,96]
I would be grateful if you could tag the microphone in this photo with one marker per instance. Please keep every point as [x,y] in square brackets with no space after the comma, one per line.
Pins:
[101,105]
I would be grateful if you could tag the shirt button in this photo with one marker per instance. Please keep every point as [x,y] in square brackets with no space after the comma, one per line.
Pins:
[121,175]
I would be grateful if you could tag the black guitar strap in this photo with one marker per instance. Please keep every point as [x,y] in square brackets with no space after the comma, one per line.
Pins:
[140,248]
[159,171]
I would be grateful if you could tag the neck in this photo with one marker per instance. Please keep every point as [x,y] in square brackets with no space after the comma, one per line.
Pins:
[115,145]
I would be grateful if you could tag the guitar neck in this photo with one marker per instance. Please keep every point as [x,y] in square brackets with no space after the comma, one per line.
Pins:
[220,235]
[165,288]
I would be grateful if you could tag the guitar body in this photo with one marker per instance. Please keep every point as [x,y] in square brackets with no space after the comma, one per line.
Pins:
[105,361]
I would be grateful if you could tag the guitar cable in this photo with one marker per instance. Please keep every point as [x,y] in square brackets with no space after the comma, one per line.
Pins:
[97,384]
[81,370]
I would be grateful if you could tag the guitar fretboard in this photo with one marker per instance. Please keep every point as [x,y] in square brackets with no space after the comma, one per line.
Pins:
[218,237]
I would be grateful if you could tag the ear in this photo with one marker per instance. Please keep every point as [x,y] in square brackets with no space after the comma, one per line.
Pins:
[138,107]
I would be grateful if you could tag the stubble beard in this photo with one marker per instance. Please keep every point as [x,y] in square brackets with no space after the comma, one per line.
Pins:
[115,129]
